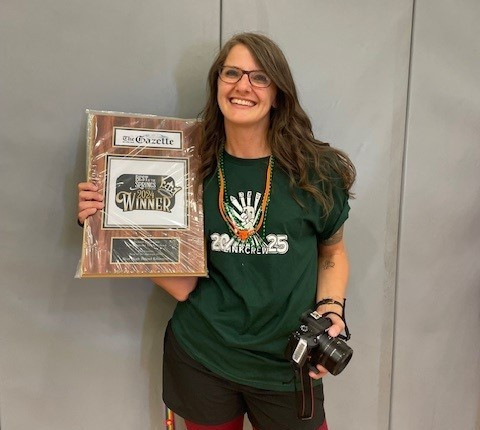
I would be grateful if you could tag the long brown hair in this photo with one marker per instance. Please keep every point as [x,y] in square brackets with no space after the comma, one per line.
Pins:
[290,134]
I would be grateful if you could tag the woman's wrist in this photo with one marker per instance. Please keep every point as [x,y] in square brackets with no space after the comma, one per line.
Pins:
[323,309]
[330,304]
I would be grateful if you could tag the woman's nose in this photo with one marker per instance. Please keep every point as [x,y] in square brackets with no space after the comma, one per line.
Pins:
[244,82]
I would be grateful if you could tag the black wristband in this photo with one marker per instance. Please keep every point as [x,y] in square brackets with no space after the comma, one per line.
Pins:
[329,301]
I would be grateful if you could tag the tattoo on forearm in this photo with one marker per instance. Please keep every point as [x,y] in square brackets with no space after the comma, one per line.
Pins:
[328,264]
[337,237]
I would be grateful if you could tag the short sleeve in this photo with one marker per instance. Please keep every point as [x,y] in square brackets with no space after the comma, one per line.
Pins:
[328,226]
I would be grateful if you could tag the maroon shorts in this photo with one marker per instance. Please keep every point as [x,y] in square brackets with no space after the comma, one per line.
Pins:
[200,396]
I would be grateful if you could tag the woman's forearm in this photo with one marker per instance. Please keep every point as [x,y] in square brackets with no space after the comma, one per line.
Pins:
[179,287]
[333,269]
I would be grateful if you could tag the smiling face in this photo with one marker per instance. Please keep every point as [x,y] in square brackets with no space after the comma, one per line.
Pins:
[241,103]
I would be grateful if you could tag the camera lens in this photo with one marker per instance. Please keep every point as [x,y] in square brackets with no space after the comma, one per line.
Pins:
[333,354]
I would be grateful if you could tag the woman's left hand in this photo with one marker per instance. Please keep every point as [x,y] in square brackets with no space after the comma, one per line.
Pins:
[335,329]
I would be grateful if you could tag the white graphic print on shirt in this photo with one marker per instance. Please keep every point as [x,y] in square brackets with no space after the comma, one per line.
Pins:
[245,214]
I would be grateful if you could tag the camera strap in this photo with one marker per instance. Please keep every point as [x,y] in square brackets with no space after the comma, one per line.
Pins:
[304,396]
[347,334]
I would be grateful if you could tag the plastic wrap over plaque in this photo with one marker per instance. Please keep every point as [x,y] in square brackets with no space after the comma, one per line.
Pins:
[152,224]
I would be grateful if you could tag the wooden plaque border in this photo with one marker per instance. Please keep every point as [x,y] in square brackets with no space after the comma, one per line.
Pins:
[97,243]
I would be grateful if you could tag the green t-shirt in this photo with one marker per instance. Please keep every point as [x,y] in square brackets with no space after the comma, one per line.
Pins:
[237,321]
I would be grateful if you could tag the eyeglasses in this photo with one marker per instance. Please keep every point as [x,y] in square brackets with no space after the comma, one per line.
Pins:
[231,75]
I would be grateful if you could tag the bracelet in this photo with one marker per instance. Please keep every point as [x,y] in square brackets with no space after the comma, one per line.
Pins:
[79,223]
[330,301]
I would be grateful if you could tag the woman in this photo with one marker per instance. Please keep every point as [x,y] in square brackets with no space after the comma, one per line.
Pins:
[275,200]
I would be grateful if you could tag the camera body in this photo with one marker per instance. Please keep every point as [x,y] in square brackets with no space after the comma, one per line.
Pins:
[310,345]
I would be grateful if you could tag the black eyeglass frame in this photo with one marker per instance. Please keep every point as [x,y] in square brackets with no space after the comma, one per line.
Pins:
[244,72]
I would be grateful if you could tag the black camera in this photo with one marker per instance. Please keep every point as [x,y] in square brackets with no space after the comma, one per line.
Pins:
[310,345]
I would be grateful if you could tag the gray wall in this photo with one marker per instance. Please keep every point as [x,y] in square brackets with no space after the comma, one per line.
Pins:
[354,86]
[87,354]
[82,354]
[436,378]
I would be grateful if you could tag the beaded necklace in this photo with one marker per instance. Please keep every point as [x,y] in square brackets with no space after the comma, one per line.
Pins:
[244,234]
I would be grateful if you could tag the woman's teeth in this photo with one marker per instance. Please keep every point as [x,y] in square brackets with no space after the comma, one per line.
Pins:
[242,102]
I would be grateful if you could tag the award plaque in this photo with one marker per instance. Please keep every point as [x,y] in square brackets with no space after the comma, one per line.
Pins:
[152,223]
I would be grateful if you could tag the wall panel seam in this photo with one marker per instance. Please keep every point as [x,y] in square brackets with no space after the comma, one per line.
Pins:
[400,208]
[221,25]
